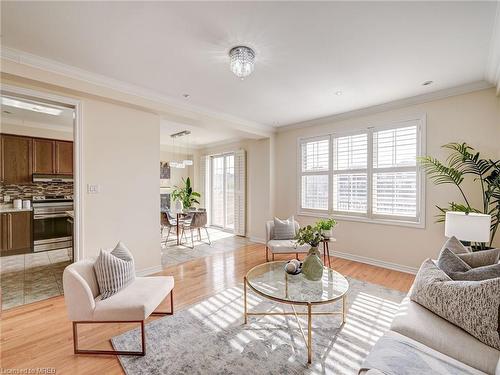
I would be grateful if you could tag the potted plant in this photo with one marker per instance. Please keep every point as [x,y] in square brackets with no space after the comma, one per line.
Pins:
[312,268]
[185,195]
[462,161]
[326,227]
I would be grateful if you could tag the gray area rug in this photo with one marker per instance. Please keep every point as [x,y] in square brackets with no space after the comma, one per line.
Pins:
[210,337]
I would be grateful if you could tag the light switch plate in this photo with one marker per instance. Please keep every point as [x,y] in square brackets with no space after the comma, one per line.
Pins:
[93,189]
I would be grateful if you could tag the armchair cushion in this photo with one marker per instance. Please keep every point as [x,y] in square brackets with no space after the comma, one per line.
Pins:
[135,302]
[287,247]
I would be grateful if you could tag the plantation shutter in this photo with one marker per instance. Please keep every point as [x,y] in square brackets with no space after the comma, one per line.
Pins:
[395,172]
[314,171]
[205,183]
[240,193]
[350,173]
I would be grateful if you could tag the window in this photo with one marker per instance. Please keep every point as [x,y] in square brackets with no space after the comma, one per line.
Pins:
[222,191]
[315,166]
[369,175]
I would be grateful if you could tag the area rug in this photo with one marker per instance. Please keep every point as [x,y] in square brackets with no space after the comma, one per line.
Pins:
[210,337]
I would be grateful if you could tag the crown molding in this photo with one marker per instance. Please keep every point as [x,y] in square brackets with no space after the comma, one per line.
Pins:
[28,59]
[492,73]
[396,104]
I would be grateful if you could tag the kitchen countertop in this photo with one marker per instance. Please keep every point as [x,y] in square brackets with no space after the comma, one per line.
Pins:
[9,208]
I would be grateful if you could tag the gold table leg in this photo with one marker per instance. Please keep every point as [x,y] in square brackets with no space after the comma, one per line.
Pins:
[245,297]
[344,308]
[309,333]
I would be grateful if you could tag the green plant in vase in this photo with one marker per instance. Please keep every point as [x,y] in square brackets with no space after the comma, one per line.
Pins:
[312,268]
[185,194]
[326,227]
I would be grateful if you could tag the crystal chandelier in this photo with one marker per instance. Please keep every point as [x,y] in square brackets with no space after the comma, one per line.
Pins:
[242,61]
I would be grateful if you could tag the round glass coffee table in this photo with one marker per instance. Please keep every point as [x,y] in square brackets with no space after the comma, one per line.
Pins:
[270,281]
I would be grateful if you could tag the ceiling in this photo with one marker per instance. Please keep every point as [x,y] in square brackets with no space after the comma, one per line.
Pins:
[306,52]
[18,116]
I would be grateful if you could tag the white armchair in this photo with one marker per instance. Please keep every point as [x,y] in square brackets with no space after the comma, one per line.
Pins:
[133,304]
[282,246]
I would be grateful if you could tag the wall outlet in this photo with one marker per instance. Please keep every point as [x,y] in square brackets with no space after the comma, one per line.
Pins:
[93,189]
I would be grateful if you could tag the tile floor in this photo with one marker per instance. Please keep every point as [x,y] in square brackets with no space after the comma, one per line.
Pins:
[221,242]
[32,277]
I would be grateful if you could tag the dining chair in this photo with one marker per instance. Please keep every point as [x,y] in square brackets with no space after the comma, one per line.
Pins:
[168,221]
[197,221]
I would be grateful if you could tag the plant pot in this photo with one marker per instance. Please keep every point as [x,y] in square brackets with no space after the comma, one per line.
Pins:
[312,269]
[327,233]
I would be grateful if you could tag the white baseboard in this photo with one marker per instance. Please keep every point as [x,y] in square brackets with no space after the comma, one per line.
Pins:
[375,262]
[257,239]
[149,271]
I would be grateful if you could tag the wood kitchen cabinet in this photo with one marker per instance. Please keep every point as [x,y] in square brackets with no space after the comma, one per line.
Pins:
[16,160]
[16,233]
[20,157]
[44,156]
[64,157]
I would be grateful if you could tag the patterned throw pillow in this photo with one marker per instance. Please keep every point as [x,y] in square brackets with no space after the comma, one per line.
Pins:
[455,245]
[114,270]
[473,306]
[284,229]
[481,258]
[457,269]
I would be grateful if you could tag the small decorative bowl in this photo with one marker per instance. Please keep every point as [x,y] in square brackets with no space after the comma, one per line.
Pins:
[293,267]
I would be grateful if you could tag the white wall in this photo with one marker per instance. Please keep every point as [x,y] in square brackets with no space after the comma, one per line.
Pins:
[121,154]
[473,118]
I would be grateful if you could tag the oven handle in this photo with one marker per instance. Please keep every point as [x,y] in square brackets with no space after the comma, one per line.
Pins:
[49,216]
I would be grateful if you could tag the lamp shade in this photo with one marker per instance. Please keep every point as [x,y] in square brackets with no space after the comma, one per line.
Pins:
[471,227]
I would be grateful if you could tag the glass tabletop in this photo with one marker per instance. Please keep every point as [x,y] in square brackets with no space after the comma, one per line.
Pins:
[271,280]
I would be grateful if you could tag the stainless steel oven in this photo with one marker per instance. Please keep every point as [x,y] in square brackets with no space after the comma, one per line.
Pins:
[51,228]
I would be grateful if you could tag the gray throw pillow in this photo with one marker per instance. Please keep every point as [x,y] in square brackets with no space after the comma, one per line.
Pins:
[114,270]
[455,245]
[449,262]
[477,274]
[473,306]
[481,258]
[284,229]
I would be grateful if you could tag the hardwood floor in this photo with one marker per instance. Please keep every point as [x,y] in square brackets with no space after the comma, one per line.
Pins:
[39,335]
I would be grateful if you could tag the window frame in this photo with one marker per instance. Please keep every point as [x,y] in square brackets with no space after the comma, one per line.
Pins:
[369,217]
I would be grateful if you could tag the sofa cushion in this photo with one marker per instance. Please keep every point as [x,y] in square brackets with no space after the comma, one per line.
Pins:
[455,245]
[287,247]
[398,354]
[284,229]
[481,258]
[422,325]
[136,302]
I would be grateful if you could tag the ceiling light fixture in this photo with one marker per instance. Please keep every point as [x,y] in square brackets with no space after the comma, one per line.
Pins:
[30,106]
[180,163]
[427,83]
[242,60]
[338,93]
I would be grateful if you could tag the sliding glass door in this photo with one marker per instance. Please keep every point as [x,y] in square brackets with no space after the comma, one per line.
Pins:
[222,191]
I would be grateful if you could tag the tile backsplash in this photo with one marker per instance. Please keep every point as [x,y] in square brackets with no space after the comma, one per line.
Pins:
[26,191]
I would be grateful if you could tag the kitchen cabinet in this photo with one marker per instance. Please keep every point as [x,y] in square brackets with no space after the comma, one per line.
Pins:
[16,233]
[64,157]
[44,156]
[20,157]
[16,160]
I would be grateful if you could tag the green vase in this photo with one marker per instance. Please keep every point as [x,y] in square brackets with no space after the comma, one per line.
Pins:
[312,268]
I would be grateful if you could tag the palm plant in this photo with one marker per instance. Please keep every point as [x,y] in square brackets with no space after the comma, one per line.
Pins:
[464,160]
[185,194]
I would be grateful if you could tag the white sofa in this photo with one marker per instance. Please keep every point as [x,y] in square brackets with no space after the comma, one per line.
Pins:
[442,340]
[135,303]
[282,246]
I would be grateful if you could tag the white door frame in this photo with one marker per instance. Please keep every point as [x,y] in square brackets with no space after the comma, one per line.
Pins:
[78,190]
